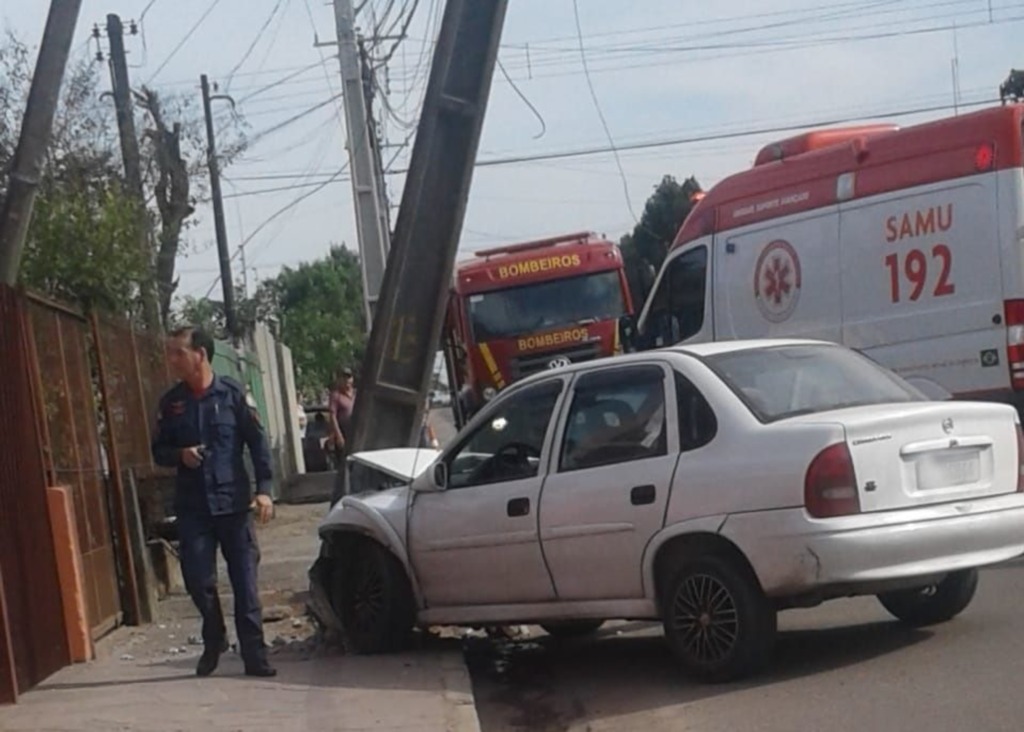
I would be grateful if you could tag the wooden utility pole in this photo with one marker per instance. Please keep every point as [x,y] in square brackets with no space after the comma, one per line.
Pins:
[122,92]
[410,315]
[36,127]
[367,184]
[227,283]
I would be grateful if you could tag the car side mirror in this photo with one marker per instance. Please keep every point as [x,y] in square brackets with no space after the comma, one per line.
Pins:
[627,333]
[441,476]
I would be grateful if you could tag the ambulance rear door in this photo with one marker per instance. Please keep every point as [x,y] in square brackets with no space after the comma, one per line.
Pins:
[922,284]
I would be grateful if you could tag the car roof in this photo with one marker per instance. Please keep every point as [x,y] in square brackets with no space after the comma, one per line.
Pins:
[698,350]
[719,347]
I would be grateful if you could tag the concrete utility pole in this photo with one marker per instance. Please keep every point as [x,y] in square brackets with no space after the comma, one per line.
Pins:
[36,127]
[218,215]
[367,185]
[132,161]
[407,331]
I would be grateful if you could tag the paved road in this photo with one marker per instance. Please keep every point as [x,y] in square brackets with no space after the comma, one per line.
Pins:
[843,666]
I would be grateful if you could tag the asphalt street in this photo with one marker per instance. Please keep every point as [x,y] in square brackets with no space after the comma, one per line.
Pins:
[843,666]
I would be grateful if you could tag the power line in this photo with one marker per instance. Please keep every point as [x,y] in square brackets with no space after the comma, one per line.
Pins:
[183,41]
[600,112]
[284,209]
[673,142]
[292,120]
[526,101]
[277,189]
[255,41]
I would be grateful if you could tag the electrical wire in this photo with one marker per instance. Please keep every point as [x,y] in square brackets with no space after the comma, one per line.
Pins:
[255,41]
[600,112]
[526,101]
[210,8]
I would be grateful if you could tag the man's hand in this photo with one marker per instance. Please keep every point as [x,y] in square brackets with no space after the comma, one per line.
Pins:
[192,457]
[264,508]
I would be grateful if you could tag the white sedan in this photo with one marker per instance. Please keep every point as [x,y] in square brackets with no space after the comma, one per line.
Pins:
[707,486]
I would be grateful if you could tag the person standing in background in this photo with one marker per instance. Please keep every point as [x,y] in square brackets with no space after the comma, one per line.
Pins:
[341,406]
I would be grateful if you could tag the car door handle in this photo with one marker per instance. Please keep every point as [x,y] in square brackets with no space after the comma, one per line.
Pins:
[643,495]
[518,507]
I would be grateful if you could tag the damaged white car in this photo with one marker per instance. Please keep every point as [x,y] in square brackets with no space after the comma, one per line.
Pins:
[708,486]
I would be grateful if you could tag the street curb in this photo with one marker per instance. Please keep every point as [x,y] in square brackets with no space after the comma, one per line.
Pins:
[460,706]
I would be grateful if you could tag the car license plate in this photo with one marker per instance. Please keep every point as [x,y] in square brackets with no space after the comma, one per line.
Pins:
[945,471]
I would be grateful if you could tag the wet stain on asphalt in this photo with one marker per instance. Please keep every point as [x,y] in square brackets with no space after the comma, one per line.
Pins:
[515,679]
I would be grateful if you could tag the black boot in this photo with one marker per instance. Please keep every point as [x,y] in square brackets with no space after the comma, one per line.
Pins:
[210,658]
[261,669]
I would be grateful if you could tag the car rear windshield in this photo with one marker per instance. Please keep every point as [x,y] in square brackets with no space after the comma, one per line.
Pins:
[788,381]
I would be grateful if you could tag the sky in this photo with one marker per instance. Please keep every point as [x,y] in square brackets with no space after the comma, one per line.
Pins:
[660,71]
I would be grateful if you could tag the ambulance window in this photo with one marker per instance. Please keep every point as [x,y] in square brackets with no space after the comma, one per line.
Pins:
[687,284]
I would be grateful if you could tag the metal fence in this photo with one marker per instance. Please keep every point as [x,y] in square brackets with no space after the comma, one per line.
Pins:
[33,639]
[75,456]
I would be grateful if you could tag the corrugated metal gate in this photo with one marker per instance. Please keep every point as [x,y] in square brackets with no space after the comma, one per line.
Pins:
[74,456]
[33,639]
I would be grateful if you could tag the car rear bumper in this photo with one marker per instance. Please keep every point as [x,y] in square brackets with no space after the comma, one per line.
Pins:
[793,554]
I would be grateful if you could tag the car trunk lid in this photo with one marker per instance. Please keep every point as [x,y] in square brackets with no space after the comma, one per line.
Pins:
[917,454]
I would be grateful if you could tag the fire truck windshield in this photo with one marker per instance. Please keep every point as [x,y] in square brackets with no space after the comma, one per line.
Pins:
[544,305]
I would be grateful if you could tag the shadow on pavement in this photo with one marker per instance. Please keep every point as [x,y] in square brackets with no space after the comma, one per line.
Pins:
[548,685]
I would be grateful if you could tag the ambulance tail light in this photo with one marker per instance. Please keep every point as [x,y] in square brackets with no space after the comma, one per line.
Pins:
[1015,341]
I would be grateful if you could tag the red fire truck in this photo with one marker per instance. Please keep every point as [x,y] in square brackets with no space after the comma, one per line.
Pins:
[520,309]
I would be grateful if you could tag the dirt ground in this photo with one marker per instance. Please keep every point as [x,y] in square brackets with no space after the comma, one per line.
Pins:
[288,546]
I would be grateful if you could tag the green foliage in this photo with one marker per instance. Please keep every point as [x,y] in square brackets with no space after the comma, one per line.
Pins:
[83,246]
[319,307]
[644,250]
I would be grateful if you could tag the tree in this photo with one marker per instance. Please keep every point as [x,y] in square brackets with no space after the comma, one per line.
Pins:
[645,248]
[83,183]
[319,307]
[82,244]
[176,170]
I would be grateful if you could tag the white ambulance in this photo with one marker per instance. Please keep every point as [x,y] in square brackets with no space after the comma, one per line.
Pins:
[906,244]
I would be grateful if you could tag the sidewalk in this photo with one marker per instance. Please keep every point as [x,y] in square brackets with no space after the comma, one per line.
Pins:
[428,691]
[144,679]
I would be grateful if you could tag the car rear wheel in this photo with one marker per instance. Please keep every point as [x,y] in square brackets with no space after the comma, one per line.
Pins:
[935,603]
[572,628]
[717,620]
[373,600]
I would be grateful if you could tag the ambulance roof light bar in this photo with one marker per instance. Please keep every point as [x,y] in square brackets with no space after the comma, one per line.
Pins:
[578,237]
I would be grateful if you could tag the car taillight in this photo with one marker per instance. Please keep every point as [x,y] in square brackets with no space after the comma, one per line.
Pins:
[830,488]
[1015,341]
[1020,460]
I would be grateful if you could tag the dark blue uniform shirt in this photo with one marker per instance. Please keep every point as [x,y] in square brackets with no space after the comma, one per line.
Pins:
[223,423]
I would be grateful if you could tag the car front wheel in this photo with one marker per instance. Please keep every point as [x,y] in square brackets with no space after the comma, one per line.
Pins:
[717,620]
[935,603]
[373,599]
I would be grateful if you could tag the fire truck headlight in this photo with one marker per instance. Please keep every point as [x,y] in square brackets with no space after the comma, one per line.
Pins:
[490,393]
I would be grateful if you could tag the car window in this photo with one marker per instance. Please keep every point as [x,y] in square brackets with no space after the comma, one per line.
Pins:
[786,381]
[697,423]
[616,416]
[508,445]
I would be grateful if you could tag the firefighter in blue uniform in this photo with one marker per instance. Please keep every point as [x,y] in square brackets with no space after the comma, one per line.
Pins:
[204,422]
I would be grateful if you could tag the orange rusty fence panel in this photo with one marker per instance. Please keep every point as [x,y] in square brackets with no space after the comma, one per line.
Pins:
[31,586]
[76,456]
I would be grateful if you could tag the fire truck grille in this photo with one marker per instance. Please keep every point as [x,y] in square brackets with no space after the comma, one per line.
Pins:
[536,362]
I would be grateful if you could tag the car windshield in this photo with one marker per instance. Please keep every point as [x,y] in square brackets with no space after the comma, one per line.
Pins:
[544,305]
[788,381]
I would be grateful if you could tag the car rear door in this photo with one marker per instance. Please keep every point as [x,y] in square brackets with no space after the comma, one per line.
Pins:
[608,487]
